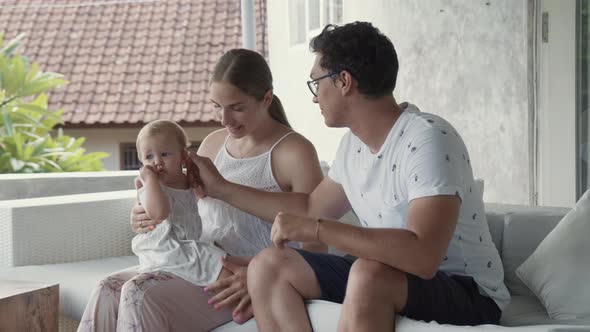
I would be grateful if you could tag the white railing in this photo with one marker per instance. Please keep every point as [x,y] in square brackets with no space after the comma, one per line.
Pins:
[19,186]
[69,228]
[53,218]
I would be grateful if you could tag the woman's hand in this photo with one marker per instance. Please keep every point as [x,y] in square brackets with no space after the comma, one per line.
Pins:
[233,289]
[140,221]
[204,176]
[192,171]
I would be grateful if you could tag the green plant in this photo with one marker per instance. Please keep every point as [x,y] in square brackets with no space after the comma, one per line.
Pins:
[28,141]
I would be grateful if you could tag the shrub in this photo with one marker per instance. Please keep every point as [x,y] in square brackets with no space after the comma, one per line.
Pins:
[28,141]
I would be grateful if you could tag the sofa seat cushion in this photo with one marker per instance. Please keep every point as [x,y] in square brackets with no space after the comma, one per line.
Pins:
[76,280]
[324,317]
[528,310]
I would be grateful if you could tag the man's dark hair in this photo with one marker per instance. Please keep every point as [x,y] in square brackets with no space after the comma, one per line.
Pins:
[363,51]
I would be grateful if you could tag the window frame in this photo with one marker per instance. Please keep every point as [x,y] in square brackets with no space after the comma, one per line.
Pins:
[324,19]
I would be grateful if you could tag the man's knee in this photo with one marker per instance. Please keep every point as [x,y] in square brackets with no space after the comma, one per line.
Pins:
[269,265]
[266,262]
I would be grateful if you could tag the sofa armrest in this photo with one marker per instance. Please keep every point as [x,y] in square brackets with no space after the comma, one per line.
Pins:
[525,209]
[61,229]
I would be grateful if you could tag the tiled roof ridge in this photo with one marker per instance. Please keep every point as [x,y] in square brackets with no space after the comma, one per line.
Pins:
[74,4]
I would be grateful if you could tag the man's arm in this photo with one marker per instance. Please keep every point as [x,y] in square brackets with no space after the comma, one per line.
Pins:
[418,250]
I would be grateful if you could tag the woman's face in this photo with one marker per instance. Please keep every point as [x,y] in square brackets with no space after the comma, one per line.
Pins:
[237,111]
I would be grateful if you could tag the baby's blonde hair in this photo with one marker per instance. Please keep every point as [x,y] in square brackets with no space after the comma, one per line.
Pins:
[162,127]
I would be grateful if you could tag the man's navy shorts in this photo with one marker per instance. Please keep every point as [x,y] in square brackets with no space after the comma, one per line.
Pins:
[446,299]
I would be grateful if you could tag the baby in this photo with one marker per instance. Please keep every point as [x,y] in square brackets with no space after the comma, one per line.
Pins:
[164,191]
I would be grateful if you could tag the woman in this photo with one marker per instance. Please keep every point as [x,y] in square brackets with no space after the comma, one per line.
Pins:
[257,148]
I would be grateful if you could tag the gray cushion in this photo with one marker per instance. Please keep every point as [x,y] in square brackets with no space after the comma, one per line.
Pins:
[523,231]
[76,280]
[496,226]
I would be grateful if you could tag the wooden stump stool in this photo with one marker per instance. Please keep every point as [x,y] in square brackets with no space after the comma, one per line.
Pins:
[28,306]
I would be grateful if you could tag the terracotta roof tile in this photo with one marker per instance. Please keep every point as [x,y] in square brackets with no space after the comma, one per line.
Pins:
[130,62]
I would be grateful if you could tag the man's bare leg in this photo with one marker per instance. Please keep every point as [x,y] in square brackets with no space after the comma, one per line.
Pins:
[374,294]
[279,280]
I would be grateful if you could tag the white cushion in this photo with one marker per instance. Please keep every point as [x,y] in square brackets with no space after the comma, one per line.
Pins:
[559,269]
[324,317]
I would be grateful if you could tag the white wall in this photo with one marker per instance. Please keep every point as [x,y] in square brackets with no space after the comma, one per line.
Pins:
[291,67]
[108,140]
[464,60]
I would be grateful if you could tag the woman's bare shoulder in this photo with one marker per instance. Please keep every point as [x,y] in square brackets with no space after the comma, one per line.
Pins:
[295,141]
[295,148]
[212,143]
[295,164]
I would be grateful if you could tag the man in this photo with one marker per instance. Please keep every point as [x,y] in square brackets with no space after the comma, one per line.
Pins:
[424,249]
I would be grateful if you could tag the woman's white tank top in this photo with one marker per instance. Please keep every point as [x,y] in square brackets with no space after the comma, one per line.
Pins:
[237,232]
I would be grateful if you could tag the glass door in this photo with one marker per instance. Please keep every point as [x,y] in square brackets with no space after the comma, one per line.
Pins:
[555,102]
[582,97]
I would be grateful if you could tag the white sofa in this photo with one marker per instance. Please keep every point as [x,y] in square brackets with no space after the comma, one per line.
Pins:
[76,240]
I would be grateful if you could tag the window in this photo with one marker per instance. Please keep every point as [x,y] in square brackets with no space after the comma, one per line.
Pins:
[313,14]
[561,102]
[129,159]
[332,11]
[308,17]
[296,17]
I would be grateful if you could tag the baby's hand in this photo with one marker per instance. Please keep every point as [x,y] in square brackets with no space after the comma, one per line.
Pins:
[148,172]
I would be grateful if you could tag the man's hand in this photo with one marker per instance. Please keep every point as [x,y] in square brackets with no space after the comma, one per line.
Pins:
[205,176]
[233,289]
[287,227]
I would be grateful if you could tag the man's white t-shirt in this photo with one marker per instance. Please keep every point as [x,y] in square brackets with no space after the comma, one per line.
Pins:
[423,155]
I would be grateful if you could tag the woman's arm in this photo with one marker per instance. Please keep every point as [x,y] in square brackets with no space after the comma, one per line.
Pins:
[266,205]
[297,169]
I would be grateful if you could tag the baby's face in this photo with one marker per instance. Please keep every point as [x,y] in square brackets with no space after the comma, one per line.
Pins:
[164,154]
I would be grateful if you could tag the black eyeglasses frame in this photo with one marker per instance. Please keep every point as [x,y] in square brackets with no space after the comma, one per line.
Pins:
[313,85]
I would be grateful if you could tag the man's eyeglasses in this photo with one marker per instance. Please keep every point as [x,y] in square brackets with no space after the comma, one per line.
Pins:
[313,84]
